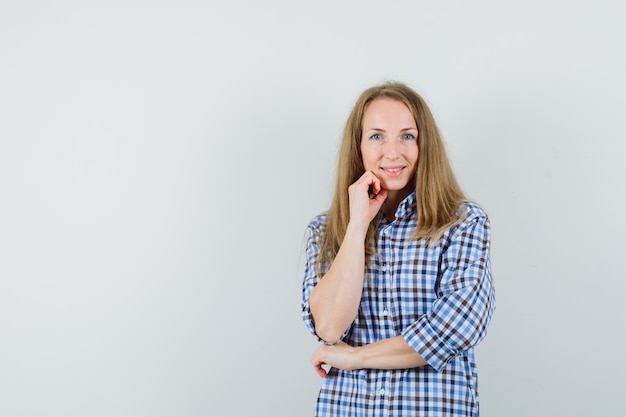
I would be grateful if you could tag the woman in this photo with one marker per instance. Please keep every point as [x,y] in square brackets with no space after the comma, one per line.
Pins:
[397,284]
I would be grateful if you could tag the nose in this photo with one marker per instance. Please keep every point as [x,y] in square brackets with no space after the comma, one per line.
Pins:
[392,149]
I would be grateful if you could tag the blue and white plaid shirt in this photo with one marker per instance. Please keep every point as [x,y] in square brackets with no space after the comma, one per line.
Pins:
[439,298]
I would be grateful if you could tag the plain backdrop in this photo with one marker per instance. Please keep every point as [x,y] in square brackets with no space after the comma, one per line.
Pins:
[159,162]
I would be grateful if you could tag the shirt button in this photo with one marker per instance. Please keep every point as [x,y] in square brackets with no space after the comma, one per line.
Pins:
[385,313]
[383,268]
[381,392]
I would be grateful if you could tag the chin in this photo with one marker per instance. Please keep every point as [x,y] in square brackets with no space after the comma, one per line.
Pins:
[397,186]
[400,190]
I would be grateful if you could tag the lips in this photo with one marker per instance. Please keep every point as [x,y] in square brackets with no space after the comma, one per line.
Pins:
[393,171]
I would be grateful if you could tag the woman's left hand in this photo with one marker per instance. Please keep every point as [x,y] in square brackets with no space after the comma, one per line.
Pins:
[340,356]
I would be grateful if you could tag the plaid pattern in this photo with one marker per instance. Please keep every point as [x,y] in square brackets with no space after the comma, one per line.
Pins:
[439,298]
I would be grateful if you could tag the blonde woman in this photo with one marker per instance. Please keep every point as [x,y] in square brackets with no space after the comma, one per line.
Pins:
[397,284]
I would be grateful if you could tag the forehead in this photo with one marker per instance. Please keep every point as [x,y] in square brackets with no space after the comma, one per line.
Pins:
[384,112]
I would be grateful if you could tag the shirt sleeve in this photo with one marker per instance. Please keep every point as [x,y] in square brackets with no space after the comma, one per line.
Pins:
[465,297]
[312,275]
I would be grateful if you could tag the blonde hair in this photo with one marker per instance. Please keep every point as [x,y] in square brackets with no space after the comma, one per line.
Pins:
[438,194]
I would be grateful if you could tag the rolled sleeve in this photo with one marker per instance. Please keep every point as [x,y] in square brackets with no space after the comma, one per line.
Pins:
[312,274]
[465,297]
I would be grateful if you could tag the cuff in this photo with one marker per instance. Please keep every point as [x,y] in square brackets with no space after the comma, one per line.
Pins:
[425,341]
[308,322]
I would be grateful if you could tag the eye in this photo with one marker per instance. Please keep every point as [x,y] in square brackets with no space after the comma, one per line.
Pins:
[408,136]
[376,136]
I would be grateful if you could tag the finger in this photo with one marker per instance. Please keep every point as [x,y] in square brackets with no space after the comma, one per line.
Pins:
[317,366]
[381,196]
[321,372]
[374,182]
[367,182]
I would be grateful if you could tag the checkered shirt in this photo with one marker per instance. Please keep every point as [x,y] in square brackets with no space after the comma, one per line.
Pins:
[440,298]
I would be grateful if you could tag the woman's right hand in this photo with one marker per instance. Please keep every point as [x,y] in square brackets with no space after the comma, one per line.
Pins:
[363,208]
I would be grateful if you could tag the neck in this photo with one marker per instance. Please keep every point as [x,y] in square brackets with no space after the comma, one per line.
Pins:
[390,206]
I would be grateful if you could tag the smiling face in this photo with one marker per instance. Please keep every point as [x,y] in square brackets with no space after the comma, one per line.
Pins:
[389,145]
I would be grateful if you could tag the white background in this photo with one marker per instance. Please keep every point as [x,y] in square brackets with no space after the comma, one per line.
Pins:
[159,162]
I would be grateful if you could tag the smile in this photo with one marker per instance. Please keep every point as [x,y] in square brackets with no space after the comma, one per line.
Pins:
[393,171]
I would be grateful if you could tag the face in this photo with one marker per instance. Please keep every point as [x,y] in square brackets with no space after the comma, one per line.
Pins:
[389,144]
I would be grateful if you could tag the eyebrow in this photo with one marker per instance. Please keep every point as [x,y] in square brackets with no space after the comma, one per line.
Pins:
[377,129]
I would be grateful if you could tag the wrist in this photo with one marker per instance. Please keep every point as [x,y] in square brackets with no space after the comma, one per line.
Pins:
[358,358]
[357,228]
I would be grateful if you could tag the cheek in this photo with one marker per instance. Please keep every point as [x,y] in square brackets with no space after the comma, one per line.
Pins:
[412,155]
[368,164]
[368,157]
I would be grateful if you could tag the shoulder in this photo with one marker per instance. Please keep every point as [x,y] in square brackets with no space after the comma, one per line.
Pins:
[472,212]
[472,217]
[471,231]
[317,224]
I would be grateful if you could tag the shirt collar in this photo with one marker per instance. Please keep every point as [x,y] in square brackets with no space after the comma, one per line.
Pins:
[406,207]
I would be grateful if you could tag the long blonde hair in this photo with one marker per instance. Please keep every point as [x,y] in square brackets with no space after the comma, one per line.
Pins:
[438,194]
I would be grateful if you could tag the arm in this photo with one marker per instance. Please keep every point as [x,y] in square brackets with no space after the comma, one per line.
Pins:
[392,353]
[465,296]
[334,302]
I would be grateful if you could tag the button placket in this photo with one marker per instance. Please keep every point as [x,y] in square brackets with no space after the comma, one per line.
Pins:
[384,311]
